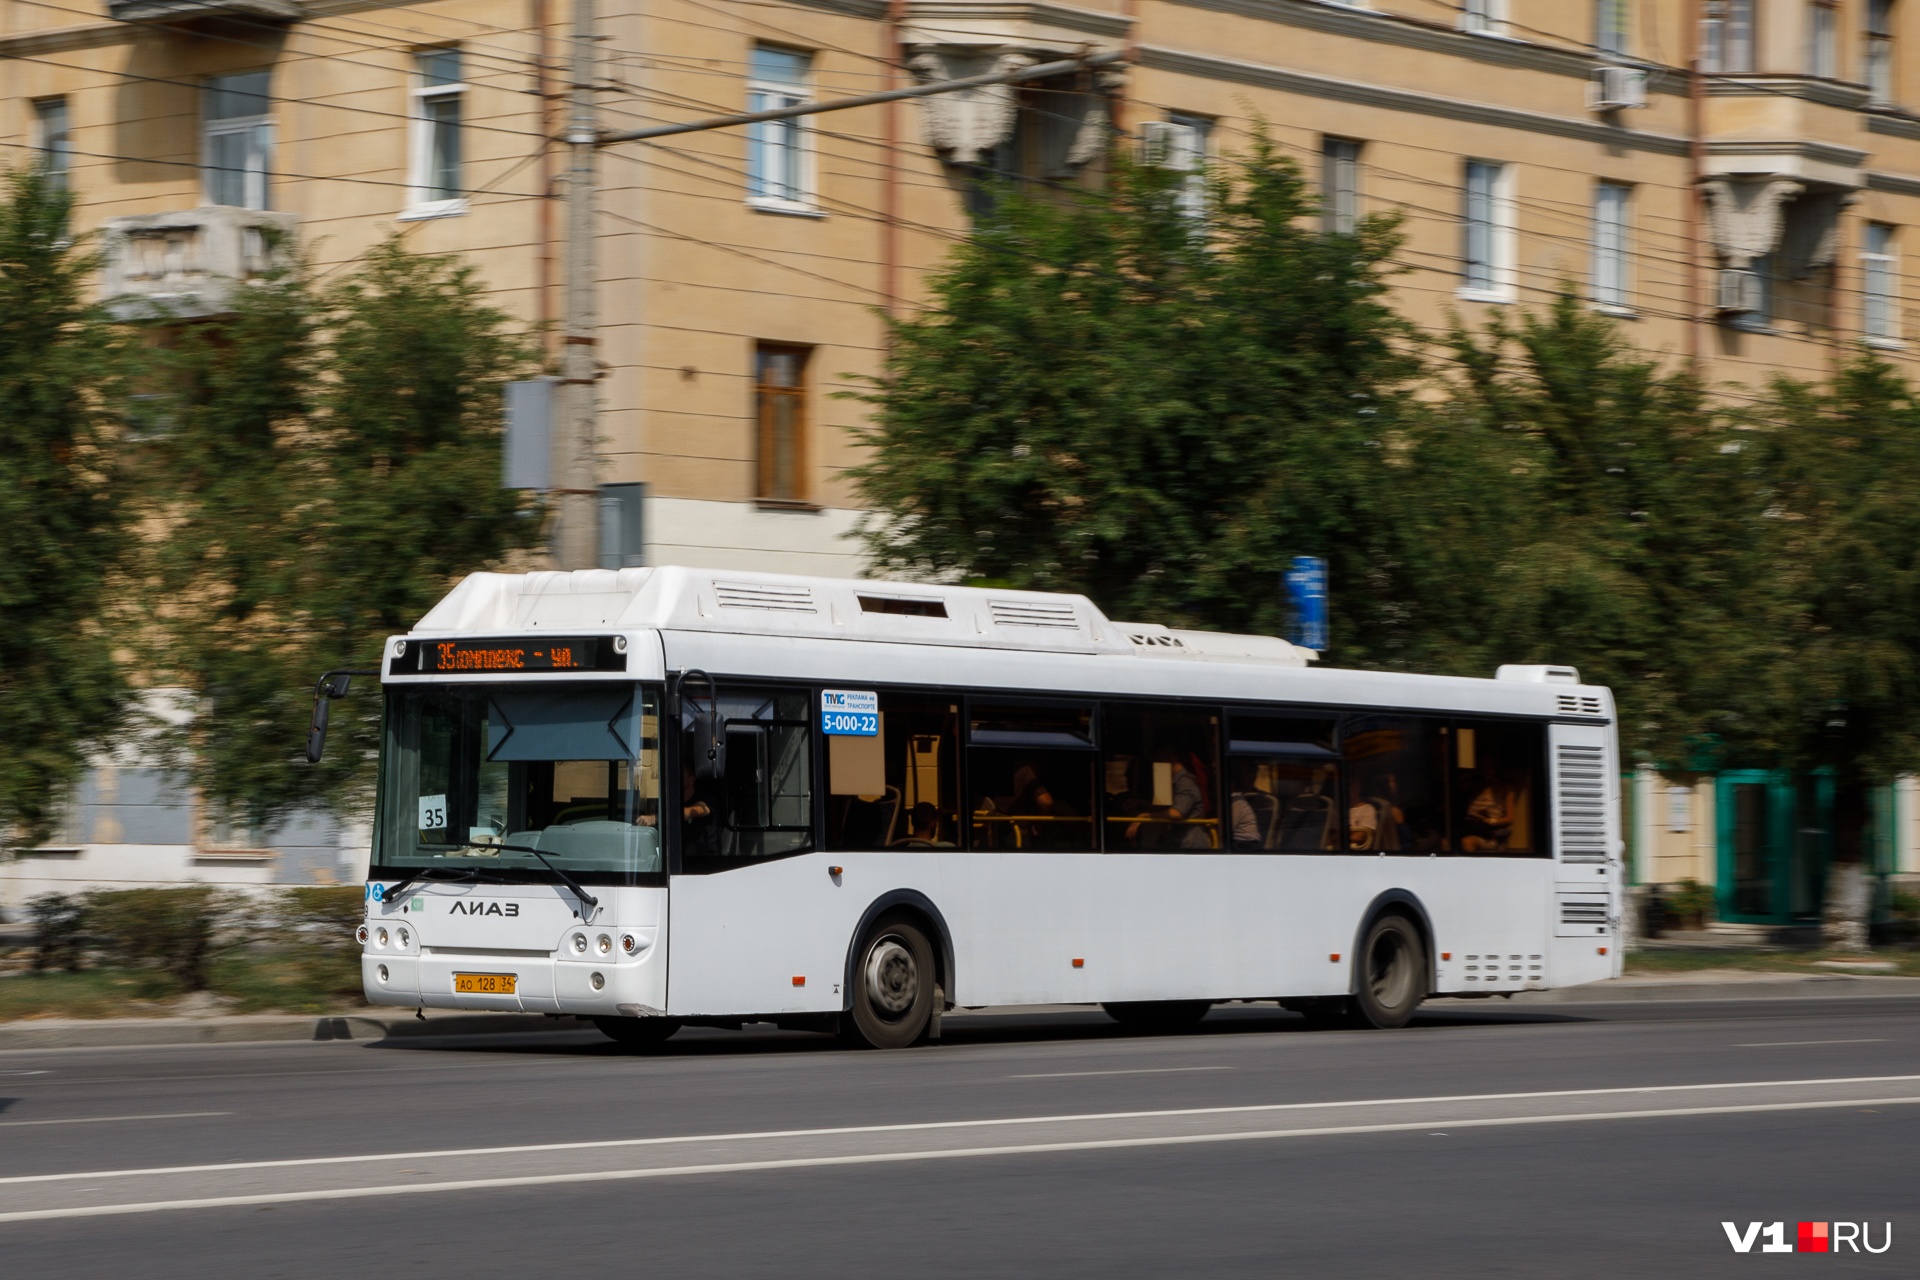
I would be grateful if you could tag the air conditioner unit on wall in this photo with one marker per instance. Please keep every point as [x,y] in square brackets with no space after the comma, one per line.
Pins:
[1739,292]
[1166,145]
[1616,88]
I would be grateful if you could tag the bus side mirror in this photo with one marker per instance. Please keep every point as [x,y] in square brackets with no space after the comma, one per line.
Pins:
[317,731]
[334,684]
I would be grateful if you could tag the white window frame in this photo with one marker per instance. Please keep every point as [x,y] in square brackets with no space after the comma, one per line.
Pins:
[1823,40]
[1484,17]
[421,202]
[1502,275]
[1612,24]
[770,95]
[1880,266]
[257,183]
[1193,191]
[1879,69]
[1613,244]
[1727,45]
[1340,175]
[54,149]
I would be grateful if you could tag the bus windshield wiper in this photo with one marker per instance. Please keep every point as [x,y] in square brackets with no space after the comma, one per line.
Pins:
[587,900]
[420,874]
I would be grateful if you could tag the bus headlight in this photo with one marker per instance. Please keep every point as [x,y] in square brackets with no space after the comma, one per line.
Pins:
[603,944]
[405,938]
[599,980]
[580,943]
[382,971]
[381,937]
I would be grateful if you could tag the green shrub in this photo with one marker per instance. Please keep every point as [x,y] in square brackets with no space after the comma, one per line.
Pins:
[1690,902]
[59,932]
[1903,905]
[176,931]
[313,933]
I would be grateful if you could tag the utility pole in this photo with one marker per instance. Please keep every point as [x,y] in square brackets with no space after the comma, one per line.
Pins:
[576,530]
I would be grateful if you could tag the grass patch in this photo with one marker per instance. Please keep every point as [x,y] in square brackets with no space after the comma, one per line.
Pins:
[96,993]
[317,980]
[311,980]
[1658,962]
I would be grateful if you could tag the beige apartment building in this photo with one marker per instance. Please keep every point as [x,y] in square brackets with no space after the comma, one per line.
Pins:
[1735,179]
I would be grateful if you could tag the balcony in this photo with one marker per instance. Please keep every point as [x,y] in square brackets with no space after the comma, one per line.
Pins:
[186,265]
[188,10]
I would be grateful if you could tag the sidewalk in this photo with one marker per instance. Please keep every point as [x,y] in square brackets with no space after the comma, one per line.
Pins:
[87,1033]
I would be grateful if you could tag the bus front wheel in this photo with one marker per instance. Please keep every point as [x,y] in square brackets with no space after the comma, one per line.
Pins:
[1392,974]
[893,987]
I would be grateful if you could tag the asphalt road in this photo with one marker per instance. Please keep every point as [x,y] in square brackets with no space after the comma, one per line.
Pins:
[1605,1141]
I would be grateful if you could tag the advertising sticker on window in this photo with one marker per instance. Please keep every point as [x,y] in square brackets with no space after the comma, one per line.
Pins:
[850,712]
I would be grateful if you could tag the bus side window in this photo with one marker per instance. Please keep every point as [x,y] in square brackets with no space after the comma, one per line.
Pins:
[1494,788]
[1160,769]
[763,807]
[896,789]
[1283,784]
[1030,778]
[1396,784]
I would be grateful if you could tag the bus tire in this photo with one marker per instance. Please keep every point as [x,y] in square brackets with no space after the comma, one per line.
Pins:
[637,1033]
[1389,973]
[1158,1017]
[893,987]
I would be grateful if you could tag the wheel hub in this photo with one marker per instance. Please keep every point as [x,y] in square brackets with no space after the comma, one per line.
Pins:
[893,980]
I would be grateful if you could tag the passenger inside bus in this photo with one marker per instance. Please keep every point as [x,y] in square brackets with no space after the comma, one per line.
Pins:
[924,829]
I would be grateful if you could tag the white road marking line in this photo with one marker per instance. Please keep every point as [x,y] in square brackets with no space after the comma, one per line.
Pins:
[163,1115]
[1082,1117]
[25,1073]
[896,1157]
[1131,1071]
[1782,1044]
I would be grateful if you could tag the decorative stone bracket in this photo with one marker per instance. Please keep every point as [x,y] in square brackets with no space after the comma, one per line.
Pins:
[1745,218]
[965,125]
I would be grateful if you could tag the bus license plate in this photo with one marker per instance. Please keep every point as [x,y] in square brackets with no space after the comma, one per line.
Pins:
[484,984]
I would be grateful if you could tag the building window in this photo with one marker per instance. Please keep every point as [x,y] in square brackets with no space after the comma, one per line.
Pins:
[1880,51]
[1484,17]
[237,139]
[1610,27]
[1821,56]
[1610,211]
[53,139]
[437,98]
[1339,185]
[1488,250]
[778,174]
[1726,37]
[1880,269]
[1189,138]
[780,402]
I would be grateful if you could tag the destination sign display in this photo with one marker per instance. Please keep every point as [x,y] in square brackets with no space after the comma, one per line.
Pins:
[530,655]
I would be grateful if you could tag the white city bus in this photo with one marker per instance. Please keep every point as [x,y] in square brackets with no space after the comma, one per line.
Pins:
[654,797]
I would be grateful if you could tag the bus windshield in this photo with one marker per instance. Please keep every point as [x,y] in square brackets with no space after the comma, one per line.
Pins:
[478,777]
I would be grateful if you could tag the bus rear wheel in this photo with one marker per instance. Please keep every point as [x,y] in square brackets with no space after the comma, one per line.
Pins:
[637,1033]
[1392,977]
[1158,1017]
[893,988]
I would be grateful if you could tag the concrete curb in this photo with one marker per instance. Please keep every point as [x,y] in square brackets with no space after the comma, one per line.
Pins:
[90,1033]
